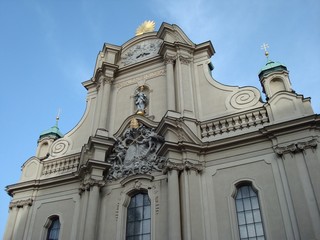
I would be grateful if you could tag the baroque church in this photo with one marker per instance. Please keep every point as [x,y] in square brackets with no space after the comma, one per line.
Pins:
[164,151]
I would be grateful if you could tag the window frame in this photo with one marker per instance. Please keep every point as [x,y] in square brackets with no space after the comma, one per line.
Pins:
[48,224]
[134,196]
[258,194]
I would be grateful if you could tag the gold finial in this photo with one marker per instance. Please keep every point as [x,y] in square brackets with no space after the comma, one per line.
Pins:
[264,47]
[146,26]
[134,123]
[58,117]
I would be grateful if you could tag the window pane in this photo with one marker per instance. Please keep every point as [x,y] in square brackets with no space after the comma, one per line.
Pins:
[249,217]
[130,229]
[259,229]
[239,205]
[146,200]
[241,218]
[137,228]
[139,200]
[251,230]
[131,215]
[132,202]
[252,193]
[138,213]
[261,238]
[146,226]
[245,191]
[243,232]
[146,212]
[239,195]
[254,201]
[247,204]
[146,237]
[256,215]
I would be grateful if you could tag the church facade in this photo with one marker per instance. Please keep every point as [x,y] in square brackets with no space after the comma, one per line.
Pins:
[164,151]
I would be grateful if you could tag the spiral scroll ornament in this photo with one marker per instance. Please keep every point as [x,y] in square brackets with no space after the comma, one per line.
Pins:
[244,98]
[59,147]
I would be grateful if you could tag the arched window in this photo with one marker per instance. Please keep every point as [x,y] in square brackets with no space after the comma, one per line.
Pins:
[54,229]
[248,213]
[139,218]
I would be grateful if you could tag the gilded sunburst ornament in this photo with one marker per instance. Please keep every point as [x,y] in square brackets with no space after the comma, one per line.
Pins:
[146,26]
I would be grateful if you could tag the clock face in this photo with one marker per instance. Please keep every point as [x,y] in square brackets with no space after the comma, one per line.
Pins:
[140,51]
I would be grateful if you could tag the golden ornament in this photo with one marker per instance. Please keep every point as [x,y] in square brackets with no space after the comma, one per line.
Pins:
[146,26]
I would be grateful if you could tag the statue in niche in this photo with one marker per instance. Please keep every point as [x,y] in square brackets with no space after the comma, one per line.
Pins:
[135,152]
[141,101]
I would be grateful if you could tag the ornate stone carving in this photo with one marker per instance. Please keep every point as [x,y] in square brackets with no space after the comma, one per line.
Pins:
[20,203]
[287,149]
[245,98]
[87,183]
[185,60]
[135,153]
[59,147]
[170,165]
[169,59]
[198,167]
[141,51]
[294,147]
[309,144]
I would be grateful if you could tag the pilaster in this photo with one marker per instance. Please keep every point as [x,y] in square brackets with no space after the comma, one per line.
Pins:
[302,191]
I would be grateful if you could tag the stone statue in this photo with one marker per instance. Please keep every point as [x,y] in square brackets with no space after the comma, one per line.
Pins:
[141,101]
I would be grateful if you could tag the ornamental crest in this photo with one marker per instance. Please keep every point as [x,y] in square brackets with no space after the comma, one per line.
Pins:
[135,152]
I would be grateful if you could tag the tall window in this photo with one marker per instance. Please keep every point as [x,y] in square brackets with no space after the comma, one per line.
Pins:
[54,229]
[139,218]
[248,213]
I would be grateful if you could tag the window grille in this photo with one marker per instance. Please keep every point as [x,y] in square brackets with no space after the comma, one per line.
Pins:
[249,214]
[139,218]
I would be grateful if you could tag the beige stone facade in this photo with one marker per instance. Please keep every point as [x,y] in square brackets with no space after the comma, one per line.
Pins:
[192,145]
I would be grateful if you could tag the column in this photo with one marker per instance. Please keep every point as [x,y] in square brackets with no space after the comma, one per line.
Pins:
[105,102]
[169,61]
[91,218]
[174,217]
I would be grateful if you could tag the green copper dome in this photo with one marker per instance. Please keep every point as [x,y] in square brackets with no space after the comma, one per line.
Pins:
[53,131]
[270,67]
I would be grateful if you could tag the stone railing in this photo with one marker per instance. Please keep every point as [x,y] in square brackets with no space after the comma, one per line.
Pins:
[60,166]
[233,123]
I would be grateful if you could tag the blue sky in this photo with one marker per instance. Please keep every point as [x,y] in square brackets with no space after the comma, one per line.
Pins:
[48,47]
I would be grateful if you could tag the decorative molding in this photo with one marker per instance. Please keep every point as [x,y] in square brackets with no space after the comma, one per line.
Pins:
[87,183]
[309,144]
[245,98]
[60,147]
[143,78]
[170,165]
[169,59]
[233,123]
[185,60]
[61,165]
[135,152]
[21,203]
[295,147]
[185,166]
[198,167]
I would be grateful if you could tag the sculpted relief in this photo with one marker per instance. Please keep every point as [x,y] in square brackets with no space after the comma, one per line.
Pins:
[135,152]
[141,51]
